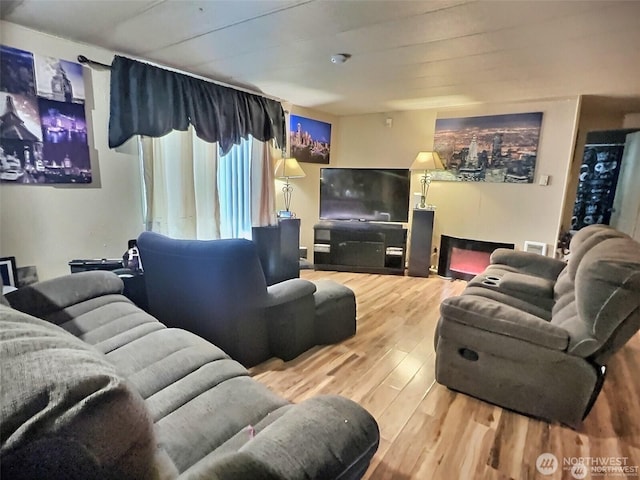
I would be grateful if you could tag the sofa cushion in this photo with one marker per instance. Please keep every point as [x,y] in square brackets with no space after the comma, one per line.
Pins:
[46,298]
[496,295]
[500,319]
[161,358]
[324,437]
[585,240]
[107,322]
[60,395]
[198,397]
[607,294]
[526,263]
[209,420]
[518,283]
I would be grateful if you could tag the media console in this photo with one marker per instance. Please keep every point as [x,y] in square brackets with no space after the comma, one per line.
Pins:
[361,247]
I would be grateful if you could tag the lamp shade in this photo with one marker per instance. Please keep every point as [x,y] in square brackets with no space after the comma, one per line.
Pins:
[289,168]
[427,161]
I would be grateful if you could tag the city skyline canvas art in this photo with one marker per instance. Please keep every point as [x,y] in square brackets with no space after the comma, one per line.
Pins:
[309,140]
[43,130]
[494,148]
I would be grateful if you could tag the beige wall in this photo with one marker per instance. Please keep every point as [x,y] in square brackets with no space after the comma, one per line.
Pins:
[47,226]
[631,120]
[486,211]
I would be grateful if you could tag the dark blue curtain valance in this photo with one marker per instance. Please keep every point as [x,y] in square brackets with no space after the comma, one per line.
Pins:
[152,101]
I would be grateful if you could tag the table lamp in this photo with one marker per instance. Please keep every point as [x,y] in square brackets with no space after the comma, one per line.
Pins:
[287,168]
[426,161]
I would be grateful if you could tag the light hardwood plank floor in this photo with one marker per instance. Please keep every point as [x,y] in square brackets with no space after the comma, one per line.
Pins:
[428,431]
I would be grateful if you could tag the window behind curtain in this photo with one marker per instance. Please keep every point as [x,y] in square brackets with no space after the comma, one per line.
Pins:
[190,191]
[234,189]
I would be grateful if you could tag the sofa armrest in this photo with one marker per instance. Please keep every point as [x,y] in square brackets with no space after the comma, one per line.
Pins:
[49,296]
[324,437]
[494,317]
[519,283]
[289,291]
[528,262]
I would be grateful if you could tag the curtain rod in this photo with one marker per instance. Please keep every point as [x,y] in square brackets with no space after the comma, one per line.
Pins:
[93,63]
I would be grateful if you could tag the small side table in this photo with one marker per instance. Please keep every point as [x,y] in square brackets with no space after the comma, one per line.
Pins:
[135,289]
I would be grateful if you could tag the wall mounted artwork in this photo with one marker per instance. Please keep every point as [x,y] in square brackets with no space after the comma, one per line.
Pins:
[43,128]
[309,140]
[496,148]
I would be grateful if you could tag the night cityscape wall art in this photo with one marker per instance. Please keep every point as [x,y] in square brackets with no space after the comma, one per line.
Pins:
[43,128]
[310,140]
[496,148]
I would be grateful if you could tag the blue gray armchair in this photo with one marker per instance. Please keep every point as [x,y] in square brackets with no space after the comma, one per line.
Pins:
[217,289]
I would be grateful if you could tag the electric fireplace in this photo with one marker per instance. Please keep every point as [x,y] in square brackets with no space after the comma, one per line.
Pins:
[462,258]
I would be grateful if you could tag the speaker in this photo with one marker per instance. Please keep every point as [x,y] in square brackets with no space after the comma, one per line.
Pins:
[420,246]
[278,248]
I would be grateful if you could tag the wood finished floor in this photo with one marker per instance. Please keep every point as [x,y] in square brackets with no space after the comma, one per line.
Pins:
[428,431]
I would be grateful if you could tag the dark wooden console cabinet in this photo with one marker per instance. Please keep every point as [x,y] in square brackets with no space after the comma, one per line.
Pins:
[360,247]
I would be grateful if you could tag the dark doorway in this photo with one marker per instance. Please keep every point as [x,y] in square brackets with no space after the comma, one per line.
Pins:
[601,160]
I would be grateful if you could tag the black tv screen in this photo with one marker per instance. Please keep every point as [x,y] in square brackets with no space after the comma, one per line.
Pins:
[371,194]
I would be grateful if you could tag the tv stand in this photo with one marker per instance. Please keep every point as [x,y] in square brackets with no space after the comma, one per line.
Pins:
[362,247]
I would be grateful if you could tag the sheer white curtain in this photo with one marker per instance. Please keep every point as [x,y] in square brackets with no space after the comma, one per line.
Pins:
[234,187]
[191,192]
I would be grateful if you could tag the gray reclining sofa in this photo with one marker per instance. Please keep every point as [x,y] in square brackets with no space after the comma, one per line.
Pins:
[94,387]
[534,334]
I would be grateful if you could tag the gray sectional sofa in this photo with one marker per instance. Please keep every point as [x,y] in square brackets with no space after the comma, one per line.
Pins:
[94,387]
[534,334]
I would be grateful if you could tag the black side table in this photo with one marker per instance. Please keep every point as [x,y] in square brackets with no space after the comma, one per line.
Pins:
[134,288]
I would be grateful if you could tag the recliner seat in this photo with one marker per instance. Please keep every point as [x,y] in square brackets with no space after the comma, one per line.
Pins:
[536,340]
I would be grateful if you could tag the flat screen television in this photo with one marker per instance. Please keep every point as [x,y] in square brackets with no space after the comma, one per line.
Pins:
[365,194]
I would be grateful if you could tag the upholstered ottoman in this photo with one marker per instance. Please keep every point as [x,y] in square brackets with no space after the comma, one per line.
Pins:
[335,312]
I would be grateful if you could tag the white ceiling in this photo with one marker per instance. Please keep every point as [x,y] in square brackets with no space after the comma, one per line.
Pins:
[405,54]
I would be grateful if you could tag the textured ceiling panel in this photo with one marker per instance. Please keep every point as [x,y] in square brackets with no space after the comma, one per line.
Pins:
[405,54]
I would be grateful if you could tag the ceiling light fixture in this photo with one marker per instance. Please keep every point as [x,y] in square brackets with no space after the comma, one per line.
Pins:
[340,57]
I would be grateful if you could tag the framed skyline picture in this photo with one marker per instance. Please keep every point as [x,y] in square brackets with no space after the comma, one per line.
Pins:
[309,140]
[495,148]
